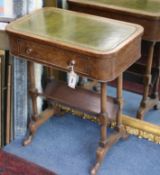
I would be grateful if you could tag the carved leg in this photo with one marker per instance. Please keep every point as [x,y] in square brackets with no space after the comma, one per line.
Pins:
[147,81]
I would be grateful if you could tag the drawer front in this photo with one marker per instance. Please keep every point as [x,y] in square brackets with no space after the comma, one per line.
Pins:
[53,56]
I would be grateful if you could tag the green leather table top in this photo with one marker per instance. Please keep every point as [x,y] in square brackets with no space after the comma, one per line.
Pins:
[151,7]
[71,28]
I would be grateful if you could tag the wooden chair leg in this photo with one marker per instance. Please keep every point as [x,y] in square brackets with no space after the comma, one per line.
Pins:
[147,80]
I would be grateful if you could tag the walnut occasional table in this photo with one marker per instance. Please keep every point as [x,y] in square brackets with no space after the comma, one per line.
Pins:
[143,12]
[100,49]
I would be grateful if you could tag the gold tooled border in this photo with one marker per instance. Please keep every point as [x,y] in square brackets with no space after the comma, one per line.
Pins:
[133,126]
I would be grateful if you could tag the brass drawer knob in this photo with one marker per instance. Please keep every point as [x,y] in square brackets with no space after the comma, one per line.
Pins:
[72,63]
[29,50]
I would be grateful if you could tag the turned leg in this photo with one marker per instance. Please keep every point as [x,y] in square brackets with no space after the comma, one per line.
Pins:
[103,124]
[36,120]
[103,116]
[147,81]
[120,126]
[155,90]
[105,142]
[120,101]
[33,96]
[32,90]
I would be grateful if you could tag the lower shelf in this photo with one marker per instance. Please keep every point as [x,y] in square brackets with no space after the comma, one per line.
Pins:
[79,98]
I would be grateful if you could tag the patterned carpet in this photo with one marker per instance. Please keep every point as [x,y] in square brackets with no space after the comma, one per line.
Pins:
[13,165]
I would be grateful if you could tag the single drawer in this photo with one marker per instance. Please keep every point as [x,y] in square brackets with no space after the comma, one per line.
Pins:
[53,56]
